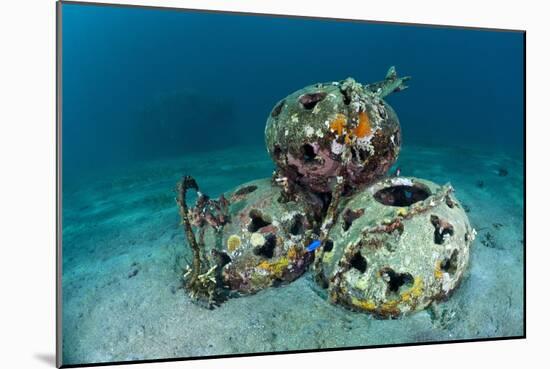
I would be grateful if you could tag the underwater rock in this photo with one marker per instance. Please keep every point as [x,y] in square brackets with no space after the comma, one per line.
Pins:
[264,241]
[396,247]
[336,129]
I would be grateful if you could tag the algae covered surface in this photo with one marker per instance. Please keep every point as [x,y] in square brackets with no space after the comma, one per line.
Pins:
[124,253]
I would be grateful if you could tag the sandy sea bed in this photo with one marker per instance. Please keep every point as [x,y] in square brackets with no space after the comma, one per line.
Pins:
[124,250]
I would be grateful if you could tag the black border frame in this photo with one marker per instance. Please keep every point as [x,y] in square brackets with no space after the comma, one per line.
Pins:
[58,110]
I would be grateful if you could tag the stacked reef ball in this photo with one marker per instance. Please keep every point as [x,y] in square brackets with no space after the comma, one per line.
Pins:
[384,245]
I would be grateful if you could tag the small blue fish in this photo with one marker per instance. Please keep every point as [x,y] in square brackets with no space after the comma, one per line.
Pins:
[313,246]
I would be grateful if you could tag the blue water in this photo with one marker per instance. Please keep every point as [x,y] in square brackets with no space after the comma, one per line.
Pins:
[149,95]
[126,70]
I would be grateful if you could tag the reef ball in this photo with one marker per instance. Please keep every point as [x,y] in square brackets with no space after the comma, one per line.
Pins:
[264,241]
[396,247]
[335,129]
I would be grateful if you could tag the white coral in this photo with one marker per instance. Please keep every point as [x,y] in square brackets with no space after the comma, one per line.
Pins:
[336,147]
[401,181]
[365,143]
[257,239]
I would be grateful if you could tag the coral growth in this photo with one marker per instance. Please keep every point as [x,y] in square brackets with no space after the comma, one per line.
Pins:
[338,125]
[276,268]
[202,279]
[233,242]
[363,128]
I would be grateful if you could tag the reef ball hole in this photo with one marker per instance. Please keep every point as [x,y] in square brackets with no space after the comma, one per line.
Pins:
[221,258]
[258,220]
[358,262]
[309,101]
[396,280]
[308,153]
[297,225]
[349,216]
[359,155]
[363,155]
[266,250]
[329,245]
[450,265]
[277,109]
[401,195]
[277,151]
[442,228]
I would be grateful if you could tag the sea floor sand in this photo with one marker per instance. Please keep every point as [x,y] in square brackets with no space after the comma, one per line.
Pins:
[124,250]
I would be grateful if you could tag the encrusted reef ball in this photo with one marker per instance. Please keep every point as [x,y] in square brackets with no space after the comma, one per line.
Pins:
[333,129]
[396,247]
[264,243]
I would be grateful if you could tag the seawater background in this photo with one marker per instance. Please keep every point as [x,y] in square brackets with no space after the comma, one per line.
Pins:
[150,95]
